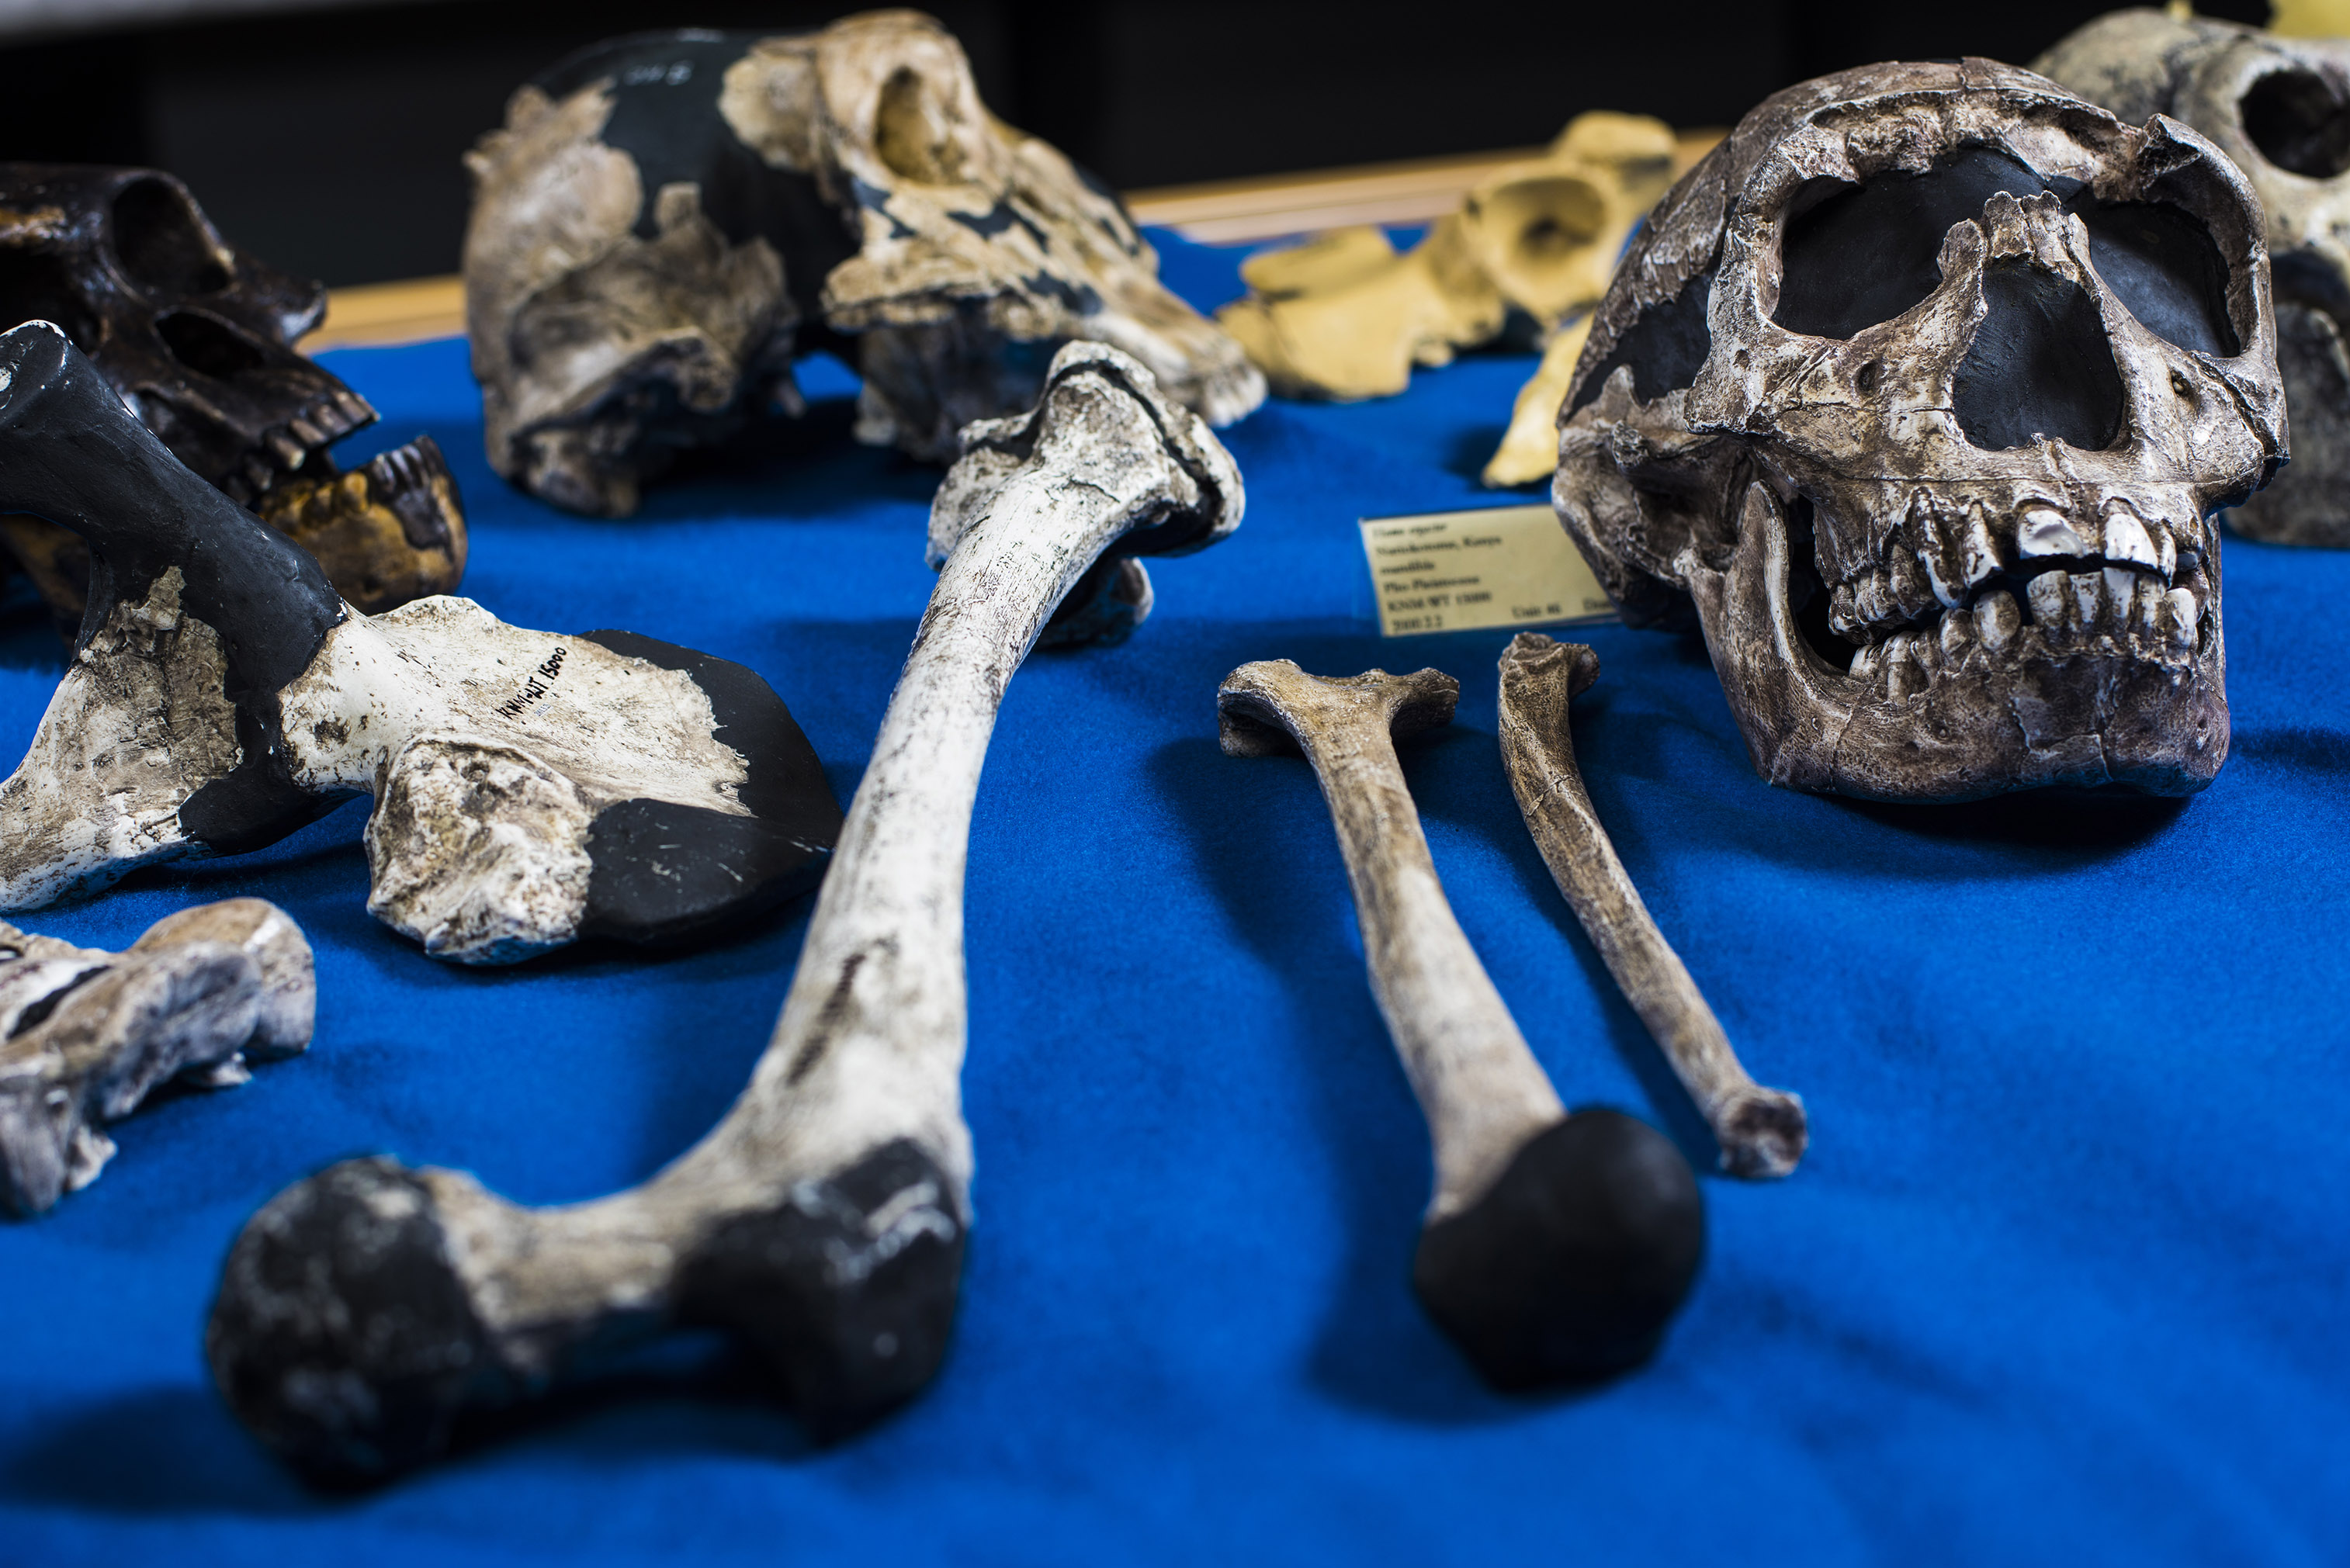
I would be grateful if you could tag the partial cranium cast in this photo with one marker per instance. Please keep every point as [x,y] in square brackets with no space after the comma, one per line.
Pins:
[667,219]
[1343,316]
[2281,108]
[823,1221]
[1919,395]
[529,788]
[197,338]
[85,1034]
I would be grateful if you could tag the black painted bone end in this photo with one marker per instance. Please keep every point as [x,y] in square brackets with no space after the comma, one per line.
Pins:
[1569,1267]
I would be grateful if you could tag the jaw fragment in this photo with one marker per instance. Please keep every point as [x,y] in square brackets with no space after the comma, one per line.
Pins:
[1762,1131]
[86,1034]
[529,788]
[1555,1247]
[822,1220]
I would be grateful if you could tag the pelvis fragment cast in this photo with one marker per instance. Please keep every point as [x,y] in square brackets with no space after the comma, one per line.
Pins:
[1919,395]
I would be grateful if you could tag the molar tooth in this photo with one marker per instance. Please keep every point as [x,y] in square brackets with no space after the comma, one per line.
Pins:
[1997,618]
[1869,598]
[2181,619]
[2052,607]
[2146,610]
[1902,675]
[2126,538]
[282,445]
[1865,663]
[2044,531]
[306,432]
[1958,635]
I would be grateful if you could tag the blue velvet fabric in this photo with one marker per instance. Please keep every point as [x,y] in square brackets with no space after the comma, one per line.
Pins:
[2062,1280]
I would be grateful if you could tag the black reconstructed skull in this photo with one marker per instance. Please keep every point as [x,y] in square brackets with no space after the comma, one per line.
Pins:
[198,338]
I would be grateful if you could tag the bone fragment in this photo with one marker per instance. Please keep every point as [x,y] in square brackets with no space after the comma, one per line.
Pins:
[1555,1247]
[1529,449]
[1762,1131]
[823,1219]
[1343,316]
[530,788]
[86,1034]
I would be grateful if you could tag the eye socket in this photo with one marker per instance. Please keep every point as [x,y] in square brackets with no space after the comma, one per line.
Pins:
[160,244]
[2299,123]
[912,132]
[1855,256]
[1665,347]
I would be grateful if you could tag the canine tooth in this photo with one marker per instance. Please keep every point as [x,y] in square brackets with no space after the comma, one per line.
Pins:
[2181,618]
[2052,607]
[2042,532]
[1958,636]
[1997,618]
[2168,548]
[2125,539]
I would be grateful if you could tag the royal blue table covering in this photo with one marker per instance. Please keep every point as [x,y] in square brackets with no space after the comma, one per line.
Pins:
[2062,1279]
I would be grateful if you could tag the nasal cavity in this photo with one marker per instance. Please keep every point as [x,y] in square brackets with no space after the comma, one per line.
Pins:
[2039,367]
[208,346]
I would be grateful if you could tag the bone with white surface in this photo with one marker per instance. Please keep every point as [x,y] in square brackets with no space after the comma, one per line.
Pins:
[823,1219]
[1762,1131]
[85,1034]
[1555,1247]
[530,788]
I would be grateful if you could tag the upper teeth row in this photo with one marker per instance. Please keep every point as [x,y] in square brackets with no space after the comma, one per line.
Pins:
[1961,553]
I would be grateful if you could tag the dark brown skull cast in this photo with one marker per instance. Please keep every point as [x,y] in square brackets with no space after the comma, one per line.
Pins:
[1920,394]
[667,219]
[197,338]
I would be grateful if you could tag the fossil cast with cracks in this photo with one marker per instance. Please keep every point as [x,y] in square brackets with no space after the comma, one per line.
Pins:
[822,1220]
[85,1034]
[529,788]
[197,336]
[2280,109]
[667,221]
[1555,1247]
[1919,395]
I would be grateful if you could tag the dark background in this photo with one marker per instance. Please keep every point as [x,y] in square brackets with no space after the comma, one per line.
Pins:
[329,141]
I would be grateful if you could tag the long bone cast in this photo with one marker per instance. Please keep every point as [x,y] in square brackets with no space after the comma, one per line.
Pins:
[1555,1247]
[1762,1131]
[529,788]
[822,1220]
[85,1034]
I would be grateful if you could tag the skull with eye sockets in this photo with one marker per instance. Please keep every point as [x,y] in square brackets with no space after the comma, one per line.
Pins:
[1918,395]
[2280,109]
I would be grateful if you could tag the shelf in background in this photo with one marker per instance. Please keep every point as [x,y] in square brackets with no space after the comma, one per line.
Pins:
[1228,212]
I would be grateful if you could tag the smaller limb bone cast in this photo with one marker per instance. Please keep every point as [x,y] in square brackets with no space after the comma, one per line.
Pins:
[86,1034]
[822,1220]
[1762,1131]
[529,788]
[1557,1246]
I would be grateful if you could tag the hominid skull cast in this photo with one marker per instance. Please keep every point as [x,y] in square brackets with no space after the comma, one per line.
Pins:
[1921,392]
[197,339]
[668,219]
[2280,109]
